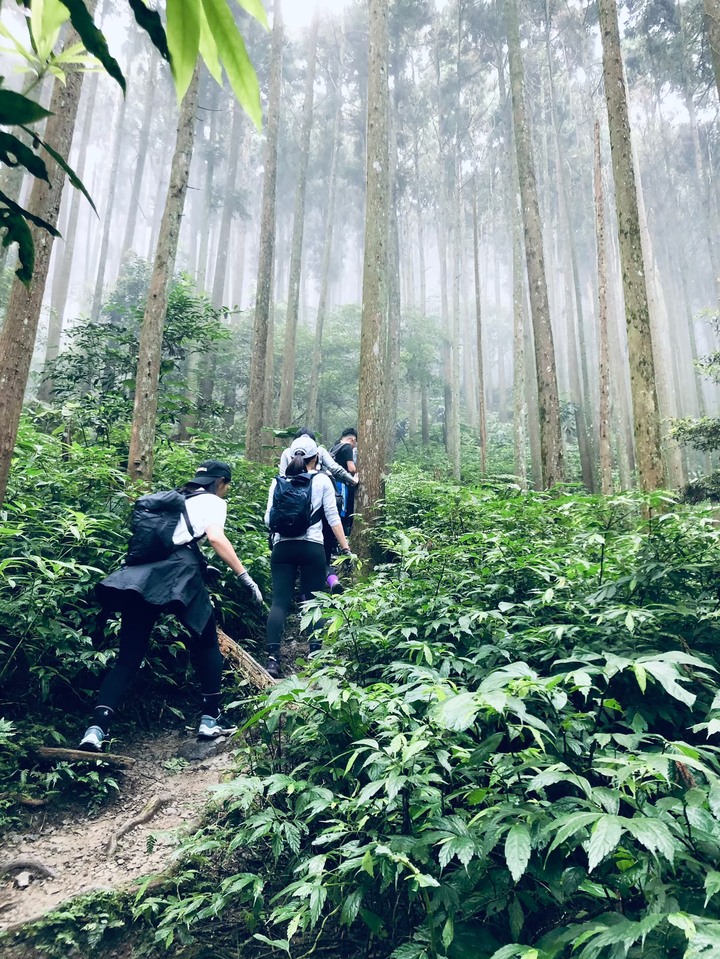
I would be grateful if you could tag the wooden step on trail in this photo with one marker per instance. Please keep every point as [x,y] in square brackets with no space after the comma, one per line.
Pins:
[54,753]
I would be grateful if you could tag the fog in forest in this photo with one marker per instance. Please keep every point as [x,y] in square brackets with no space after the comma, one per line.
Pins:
[456,241]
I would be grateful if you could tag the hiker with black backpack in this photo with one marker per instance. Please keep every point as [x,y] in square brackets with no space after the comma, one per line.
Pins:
[296,504]
[339,476]
[163,572]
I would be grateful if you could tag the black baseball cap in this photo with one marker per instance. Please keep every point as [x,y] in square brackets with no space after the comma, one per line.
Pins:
[211,470]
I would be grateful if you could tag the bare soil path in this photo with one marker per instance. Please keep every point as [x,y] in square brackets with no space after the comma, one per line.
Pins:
[72,844]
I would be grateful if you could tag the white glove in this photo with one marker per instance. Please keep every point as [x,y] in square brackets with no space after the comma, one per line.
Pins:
[250,584]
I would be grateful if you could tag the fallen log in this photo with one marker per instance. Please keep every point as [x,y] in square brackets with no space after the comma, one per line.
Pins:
[244,663]
[79,756]
[148,811]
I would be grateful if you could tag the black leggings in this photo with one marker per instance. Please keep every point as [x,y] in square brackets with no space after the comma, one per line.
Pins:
[288,556]
[136,625]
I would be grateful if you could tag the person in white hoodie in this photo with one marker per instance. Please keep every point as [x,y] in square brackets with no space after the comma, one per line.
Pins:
[338,472]
[304,553]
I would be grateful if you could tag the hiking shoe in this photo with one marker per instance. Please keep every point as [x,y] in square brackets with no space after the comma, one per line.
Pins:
[92,740]
[273,667]
[212,728]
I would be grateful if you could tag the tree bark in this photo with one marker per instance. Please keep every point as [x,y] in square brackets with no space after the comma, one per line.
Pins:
[142,440]
[228,212]
[646,418]
[287,382]
[312,404]
[266,255]
[548,399]
[19,330]
[711,10]
[482,414]
[63,270]
[109,206]
[143,143]
[606,480]
[207,213]
[372,400]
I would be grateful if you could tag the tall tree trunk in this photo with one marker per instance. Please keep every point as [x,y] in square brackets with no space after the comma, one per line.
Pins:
[711,10]
[212,92]
[17,338]
[372,400]
[424,412]
[606,480]
[142,439]
[146,126]
[548,399]
[519,366]
[109,207]
[262,329]
[287,382]
[312,404]
[63,270]
[393,286]
[482,414]
[646,418]
[229,211]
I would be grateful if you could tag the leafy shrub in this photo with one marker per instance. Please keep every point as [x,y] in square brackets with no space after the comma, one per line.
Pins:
[506,750]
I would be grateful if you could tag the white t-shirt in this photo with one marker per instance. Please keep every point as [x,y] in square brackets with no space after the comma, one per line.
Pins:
[323,495]
[204,509]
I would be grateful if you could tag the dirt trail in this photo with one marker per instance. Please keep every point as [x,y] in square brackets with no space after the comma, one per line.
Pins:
[73,843]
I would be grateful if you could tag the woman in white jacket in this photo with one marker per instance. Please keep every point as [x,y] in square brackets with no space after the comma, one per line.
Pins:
[304,553]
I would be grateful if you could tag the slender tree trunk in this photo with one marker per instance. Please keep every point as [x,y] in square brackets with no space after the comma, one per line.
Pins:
[482,414]
[325,268]
[109,207]
[548,399]
[228,212]
[424,412]
[212,92]
[142,439]
[372,400]
[637,314]
[711,9]
[519,386]
[143,143]
[262,329]
[287,382]
[63,270]
[17,338]
[393,285]
[606,480]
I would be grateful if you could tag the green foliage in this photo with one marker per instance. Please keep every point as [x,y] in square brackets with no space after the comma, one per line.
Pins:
[504,752]
[95,378]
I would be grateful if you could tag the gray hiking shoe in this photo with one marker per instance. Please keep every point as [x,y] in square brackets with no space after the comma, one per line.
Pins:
[212,728]
[92,740]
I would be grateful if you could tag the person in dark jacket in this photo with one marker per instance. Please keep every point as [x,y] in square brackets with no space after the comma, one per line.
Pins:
[141,593]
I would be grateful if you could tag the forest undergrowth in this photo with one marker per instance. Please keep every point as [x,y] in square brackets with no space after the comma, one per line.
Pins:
[506,749]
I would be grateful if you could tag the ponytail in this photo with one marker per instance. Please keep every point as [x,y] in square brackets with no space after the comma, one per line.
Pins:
[296,466]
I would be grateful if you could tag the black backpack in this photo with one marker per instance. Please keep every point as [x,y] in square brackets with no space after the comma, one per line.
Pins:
[291,513]
[153,522]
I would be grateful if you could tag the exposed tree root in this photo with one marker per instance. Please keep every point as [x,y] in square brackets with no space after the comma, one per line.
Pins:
[244,663]
[148,811]
[79,755]
[27,863]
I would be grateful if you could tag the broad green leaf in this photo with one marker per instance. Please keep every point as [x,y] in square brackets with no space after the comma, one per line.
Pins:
[351,907]
[256,10]
[682,921]
[209,53]
[653,834]
[668,677]
[183,36]
[568,825]
[233,54]
[604,838]
[273,943]
[14,152]
[46,18]
[712,885]
[457,712]
[714,799]
[15,109]
[641,676]
[150,22]
[517,850]
[71,175]
[93,39]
